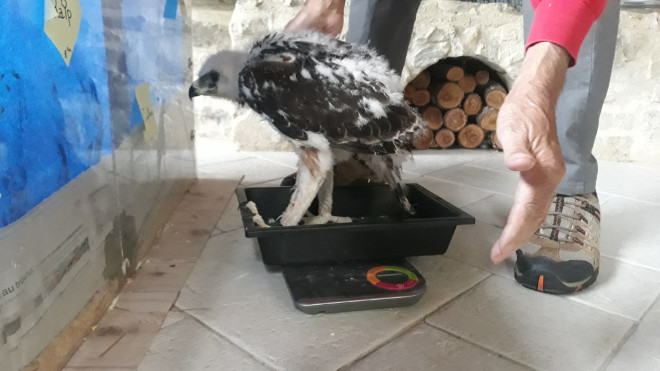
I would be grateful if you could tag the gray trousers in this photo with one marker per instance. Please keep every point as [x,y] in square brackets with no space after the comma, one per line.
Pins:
[386,25]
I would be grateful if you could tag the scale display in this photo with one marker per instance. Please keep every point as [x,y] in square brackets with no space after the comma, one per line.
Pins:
[352,286]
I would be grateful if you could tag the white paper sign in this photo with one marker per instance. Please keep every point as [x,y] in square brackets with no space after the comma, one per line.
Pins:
[62,24]
[143,95]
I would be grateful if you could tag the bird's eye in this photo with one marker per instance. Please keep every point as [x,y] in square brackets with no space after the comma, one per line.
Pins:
[214,76]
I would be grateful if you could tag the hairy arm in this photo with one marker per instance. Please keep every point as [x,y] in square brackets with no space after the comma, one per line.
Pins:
[527,130]
[326,16]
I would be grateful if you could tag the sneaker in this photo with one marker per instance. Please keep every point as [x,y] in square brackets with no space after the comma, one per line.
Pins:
[563,255]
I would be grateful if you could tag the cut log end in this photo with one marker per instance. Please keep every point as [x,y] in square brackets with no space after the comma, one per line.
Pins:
[471,136]
[422,80]
[420,98]
[445,138]
[472,104]
[455,119]
[455,73]
[482,77]
[467,83]
[487,119]
[408,92]
[443,71]
[494,95]
[447,95]
[433,117]
[423,139]
[496,99]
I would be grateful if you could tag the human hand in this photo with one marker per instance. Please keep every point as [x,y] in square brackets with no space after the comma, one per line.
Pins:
[326,16]
[527,130]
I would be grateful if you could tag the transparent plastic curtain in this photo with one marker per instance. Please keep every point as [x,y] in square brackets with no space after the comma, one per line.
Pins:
[87,89]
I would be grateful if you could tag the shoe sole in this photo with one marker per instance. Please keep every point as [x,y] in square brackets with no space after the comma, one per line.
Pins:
[545,275]
[546,281]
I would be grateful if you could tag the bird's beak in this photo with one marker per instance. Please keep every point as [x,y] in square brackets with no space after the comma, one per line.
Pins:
[194,91]
[205,85]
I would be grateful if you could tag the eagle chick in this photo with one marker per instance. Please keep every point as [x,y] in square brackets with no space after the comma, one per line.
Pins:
[330,99]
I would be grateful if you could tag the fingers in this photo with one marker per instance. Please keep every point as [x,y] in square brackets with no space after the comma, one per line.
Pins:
[517,155]
[534,194]
[316,16]
[530,207]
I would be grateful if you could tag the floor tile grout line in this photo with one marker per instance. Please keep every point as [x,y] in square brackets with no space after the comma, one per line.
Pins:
[471,288]
[629,334]
[480,200]
[217,231]
[436,177]
[567,297]
[634,264]
[624,339]
[507,171]
[574,299]
[225,162]
[422,320]
[223,337]
[442,307]
[480,346]
[610,357]
[260,183]
[265,158]
[467,340]
[614,195]
[468,185]
[508,277]
[375,348]
[634,323]
[441,170]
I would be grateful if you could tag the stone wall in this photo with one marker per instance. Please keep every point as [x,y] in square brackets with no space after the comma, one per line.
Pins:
[492,32]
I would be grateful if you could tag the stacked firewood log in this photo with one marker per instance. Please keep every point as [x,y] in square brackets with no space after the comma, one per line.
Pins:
[459,103]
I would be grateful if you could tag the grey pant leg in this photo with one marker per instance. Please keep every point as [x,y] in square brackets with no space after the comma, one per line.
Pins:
[581,101]
[385,25]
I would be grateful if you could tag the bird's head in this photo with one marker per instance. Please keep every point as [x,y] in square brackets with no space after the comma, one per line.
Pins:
[218,76]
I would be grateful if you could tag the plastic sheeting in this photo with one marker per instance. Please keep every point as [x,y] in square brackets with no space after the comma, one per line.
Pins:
[84,162]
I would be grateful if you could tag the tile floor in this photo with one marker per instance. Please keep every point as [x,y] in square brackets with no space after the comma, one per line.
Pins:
[234,314]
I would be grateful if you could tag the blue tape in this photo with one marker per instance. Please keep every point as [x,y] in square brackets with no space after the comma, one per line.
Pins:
[170,9]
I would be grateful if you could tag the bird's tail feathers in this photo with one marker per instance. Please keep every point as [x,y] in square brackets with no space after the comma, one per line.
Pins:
[388,168]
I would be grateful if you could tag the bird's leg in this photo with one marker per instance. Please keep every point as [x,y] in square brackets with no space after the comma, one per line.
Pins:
[313,168]
[389,169]
[325,204]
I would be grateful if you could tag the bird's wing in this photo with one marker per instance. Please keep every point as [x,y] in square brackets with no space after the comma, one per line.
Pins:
[303,87]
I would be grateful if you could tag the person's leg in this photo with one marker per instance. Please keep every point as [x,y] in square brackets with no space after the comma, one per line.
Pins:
[579,106]
[385,25]
[563,256]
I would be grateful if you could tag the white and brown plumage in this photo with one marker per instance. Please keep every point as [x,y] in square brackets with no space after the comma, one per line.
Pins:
[331,99]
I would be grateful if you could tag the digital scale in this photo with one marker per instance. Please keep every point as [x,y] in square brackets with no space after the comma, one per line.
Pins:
[353,266]
[352,286]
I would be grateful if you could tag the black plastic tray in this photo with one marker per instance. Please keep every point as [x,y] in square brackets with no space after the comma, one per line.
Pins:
[382,229]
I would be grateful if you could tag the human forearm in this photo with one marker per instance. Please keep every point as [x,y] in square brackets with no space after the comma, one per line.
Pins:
[541,77]
[527,130]
[326,6]
[564,22]
[322,15]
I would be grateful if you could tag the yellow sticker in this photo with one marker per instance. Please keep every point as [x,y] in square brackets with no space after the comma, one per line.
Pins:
[62,24]
[143,95]
[184,10]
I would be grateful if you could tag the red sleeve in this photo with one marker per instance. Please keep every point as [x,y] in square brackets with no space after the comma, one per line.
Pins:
[564,22]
